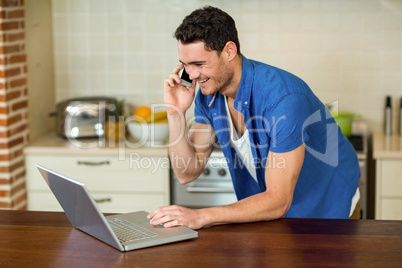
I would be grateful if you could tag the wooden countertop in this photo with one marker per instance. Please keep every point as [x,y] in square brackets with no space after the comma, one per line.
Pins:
[47,239]
[52,144]
[389,147]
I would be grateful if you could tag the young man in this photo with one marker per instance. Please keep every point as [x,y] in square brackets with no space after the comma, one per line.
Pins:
[286,155]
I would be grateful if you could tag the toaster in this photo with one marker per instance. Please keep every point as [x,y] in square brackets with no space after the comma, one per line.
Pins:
[82,117]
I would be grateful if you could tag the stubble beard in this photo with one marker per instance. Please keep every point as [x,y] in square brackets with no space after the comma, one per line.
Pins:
[223,83]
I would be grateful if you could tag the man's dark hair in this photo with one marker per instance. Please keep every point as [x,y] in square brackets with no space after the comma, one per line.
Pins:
[210,25]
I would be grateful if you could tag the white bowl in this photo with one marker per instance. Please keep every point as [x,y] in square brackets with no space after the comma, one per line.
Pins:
[149,134]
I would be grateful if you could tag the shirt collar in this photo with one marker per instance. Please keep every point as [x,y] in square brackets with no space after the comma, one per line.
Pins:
[244,91]
[246,83]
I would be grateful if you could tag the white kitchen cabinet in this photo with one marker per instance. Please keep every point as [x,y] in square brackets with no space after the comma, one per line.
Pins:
[120,179]
[387,151]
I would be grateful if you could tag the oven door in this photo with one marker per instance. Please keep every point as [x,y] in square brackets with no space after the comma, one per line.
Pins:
[212,188]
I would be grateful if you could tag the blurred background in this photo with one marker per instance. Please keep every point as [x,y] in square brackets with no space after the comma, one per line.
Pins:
[348,51]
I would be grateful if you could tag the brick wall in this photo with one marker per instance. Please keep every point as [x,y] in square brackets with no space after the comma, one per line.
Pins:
[13,104]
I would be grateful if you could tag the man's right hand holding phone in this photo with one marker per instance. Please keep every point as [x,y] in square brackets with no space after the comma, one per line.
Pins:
[178,97]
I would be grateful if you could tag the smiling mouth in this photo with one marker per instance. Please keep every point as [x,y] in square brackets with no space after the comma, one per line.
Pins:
[203,81]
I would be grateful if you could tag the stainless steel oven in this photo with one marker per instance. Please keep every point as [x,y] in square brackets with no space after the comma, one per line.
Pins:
[213,187]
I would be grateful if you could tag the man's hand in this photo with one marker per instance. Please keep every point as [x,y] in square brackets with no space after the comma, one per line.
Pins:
[171,216]
[269,205]
[176,94]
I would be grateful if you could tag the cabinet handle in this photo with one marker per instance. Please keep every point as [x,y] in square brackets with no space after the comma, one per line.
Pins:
[103,200]
[197,189]
[87,163]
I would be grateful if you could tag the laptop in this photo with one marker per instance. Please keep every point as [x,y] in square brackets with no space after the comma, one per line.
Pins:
[122,231]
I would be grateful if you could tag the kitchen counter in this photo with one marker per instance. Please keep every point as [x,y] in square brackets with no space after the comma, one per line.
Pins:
[52,144]
[47,239]
[389,147]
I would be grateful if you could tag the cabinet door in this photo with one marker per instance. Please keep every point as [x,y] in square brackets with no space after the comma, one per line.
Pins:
[43,201]
[107,202]
[391,178]
[391,209]
[124,203]
[130,184]
[103,173]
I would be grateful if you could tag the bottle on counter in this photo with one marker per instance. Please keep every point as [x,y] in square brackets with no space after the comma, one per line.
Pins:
[388,117]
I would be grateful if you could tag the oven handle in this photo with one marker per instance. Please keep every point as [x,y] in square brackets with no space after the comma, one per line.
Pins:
[209,190]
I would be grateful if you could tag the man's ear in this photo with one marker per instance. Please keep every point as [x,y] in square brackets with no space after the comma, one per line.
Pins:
[231,50]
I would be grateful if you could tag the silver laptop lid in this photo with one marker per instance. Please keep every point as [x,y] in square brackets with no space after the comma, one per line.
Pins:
[80,208]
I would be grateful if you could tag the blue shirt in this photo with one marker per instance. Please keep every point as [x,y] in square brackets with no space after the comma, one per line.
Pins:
[281,113]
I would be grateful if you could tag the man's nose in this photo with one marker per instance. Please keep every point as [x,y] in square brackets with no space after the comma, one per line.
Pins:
[192,73]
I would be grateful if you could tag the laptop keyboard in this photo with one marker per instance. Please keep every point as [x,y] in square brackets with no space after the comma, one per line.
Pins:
[127,231]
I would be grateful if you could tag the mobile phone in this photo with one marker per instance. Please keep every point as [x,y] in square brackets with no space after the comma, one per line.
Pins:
[185,78]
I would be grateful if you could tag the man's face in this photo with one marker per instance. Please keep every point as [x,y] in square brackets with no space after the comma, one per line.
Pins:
[209,69]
